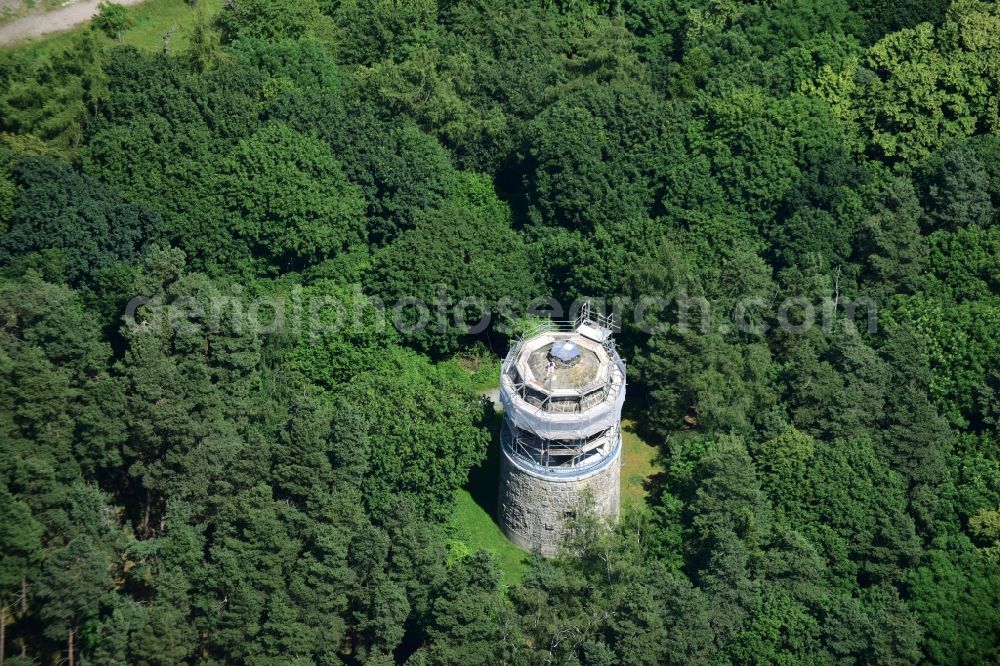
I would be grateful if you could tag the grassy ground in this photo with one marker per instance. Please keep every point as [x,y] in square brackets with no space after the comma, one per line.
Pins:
[637,467]
[154,18]
[150,22]
[474,520]
[477,528]
[479,368]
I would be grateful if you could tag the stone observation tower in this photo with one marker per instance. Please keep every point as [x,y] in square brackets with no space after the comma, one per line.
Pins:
[562,387]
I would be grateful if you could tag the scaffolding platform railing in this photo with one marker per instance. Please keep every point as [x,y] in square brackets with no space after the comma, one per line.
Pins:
[561,425]
[538,459]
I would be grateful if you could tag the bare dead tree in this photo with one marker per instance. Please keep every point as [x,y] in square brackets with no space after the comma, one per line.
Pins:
[166,39]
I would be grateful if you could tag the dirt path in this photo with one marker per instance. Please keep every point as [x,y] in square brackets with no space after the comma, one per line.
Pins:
[494,395]
[64,18]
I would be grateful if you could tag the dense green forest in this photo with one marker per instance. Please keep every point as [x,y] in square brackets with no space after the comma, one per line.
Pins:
[180,486]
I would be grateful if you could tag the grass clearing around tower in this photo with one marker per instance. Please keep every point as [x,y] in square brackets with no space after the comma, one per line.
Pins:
[476,528]
[473,521]
[480,368]
[638,467]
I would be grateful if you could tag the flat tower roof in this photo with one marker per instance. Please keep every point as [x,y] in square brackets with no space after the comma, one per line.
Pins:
[580,372]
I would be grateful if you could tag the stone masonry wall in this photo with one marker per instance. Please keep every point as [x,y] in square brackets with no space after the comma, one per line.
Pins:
[533,510]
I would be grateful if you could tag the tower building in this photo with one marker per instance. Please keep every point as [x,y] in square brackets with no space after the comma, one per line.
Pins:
[562,386]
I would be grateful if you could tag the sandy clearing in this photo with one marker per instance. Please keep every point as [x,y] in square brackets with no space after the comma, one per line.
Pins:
[63,18]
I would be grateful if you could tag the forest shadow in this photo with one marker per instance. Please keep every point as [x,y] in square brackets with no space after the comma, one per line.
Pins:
[484,479]
[655,485]
[634,411]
